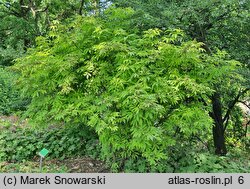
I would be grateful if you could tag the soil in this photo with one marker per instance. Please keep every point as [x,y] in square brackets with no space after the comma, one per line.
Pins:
[82,165]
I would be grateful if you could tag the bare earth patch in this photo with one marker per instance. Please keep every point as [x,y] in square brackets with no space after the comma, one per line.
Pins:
[74,165]
[82,165]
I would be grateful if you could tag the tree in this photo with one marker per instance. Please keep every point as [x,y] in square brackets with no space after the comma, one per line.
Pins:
[24,20]
[223,25]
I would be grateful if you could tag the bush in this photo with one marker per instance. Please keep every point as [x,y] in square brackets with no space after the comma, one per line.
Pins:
[135,90]
[10,99]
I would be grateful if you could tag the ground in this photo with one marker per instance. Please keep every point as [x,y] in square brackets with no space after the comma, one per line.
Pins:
[73,165]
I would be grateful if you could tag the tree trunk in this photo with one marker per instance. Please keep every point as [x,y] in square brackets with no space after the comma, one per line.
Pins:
[219,140]
[218,128]
[81,7]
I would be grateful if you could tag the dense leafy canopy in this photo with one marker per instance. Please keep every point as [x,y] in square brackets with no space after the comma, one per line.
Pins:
[22,21]
[219,24]
[136,90]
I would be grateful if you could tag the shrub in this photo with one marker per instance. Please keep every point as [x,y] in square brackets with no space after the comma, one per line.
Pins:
[134,89]
[137,90]
[10,99]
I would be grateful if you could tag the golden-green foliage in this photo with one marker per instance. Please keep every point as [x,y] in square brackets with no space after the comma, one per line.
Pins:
[136,90]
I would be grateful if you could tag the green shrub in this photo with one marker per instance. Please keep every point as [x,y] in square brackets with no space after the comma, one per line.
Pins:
[10,99]
[133,89]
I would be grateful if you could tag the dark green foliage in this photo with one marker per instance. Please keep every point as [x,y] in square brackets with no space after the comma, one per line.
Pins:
[208,163]
[17,32]
[22,21]
[10,98]
[185,158]
[194,162]
[93,148]
[236,128]
[222,24]
[24,144]
[200,159]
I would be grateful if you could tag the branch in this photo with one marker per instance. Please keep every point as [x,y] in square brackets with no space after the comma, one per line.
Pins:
[232,104]
[226,124]
[33,10]
[204,143]
[248,106]
[24,6]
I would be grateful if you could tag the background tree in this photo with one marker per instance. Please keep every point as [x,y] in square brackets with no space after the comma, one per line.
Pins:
[223,25]
[24,20]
